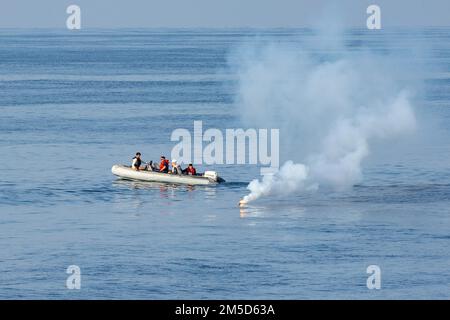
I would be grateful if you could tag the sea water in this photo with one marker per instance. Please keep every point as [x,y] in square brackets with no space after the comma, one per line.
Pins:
[72,104]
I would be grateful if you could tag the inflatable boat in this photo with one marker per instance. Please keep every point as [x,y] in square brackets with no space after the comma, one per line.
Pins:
[125,172]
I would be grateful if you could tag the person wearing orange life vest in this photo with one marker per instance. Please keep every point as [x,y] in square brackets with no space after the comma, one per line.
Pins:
[164,165]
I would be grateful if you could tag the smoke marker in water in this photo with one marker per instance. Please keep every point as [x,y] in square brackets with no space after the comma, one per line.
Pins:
[328,112]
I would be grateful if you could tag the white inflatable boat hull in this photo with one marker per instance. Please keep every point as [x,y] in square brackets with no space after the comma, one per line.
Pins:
[128,173]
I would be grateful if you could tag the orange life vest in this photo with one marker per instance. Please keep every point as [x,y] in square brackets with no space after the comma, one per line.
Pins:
[164,163]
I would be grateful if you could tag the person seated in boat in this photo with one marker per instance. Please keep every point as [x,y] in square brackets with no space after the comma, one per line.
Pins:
[164,165]
[190,170]
[176,168]
[136,162]
[151,166]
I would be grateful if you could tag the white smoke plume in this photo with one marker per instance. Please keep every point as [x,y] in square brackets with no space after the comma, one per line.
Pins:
[328,110]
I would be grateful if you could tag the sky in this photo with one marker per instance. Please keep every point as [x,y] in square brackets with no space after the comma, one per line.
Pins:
[223,13]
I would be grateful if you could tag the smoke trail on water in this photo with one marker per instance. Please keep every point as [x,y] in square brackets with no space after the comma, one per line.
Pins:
[328,112]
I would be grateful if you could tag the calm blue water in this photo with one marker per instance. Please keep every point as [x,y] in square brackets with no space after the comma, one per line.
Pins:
[74,104]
